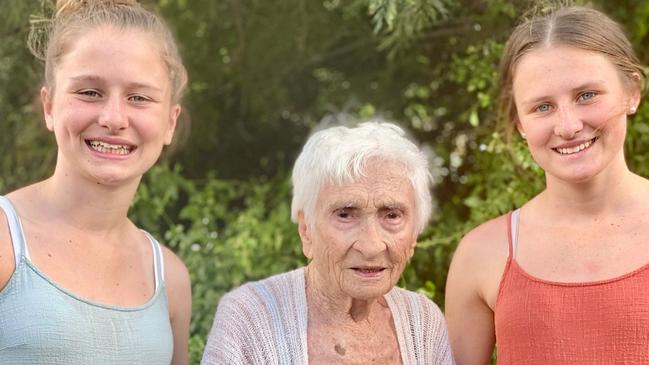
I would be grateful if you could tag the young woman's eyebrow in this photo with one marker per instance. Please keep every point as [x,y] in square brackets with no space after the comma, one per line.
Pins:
[131,85]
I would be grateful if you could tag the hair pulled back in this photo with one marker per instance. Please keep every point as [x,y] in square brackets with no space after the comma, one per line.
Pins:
[50,38]
[338,155]
[575,26]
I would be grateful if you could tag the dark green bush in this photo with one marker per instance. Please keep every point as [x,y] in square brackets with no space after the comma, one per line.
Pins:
[226,232]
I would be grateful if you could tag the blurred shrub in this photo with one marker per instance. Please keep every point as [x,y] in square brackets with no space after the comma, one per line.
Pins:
[226,232]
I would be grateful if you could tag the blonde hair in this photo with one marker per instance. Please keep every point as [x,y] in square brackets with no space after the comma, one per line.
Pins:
[50,38]
[574,26]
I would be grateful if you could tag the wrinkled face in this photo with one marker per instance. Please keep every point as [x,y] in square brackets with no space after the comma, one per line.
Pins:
[572,106]
[111,108]
[363,233]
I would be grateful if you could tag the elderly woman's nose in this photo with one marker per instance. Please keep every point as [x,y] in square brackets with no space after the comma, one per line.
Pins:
[371,241]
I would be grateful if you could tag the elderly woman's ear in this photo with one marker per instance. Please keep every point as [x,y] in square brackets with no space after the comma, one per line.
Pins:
[305,235]
[412,249]
[371,187]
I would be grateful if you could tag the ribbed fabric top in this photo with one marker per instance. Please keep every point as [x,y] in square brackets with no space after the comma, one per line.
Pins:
[544,322]
[265,322]
[42,323]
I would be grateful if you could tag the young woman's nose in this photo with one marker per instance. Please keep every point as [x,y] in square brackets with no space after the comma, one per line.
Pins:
[568,123]
[113,114]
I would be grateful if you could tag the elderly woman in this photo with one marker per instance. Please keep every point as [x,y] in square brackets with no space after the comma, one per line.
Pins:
[360,198]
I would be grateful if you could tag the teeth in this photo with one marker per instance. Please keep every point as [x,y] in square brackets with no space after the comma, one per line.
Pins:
[104,147]
[571,150]
[369,269]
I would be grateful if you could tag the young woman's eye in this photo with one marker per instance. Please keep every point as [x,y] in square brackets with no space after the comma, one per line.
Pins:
[89,93]
[586,96]
[543,108]
[138,99]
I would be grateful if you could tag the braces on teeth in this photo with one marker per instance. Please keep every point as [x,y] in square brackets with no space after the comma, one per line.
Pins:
[109,148]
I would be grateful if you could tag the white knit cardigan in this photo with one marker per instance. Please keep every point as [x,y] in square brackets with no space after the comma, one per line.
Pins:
[265,322]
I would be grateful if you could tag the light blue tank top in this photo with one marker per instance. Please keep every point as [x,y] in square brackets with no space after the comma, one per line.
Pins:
[41,323]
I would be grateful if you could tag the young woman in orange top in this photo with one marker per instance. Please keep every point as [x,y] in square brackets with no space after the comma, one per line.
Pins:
[563,279]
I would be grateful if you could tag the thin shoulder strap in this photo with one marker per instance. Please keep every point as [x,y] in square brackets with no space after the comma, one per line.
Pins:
[158,261]
[15,229]
[514,232]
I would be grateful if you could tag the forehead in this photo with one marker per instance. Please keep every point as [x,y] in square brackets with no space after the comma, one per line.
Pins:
[383,183]
[110,52]
[559,67]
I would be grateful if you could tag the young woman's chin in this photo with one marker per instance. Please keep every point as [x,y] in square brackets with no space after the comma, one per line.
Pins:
[117,173]
[115,178]
[579,173]
[118,170]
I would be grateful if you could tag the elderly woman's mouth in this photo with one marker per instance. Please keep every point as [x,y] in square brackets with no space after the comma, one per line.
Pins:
[369,271]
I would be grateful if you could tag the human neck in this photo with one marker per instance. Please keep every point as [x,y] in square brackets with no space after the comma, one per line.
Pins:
[336,308]
[605,193]
[85,204]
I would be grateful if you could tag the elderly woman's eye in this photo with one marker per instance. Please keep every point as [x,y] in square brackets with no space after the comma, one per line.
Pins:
[393,215]
[344,213]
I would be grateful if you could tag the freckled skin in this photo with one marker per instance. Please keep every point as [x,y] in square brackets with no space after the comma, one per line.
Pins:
[110,84]
[97,96]
[560,76]
[566,95]
[366,224]
[72,116]
[589,224]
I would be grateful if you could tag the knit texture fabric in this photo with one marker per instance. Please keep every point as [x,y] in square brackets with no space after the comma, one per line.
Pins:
[265,322]
[543,322]
[42,323]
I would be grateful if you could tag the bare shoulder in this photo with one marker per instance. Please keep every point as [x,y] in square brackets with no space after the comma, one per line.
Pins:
[486,244]
[472,288]
[176,273]
[19,198]
[179,293]
[7,262]
[480,259]
[642,192]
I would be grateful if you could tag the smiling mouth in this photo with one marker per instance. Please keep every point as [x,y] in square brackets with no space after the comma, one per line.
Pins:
[368,270]
[575,149]
[115,149]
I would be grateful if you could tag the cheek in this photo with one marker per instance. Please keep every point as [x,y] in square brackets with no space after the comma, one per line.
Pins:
[73,115]
[331,248]
[70,123]
[401,249]
[152,126]
[537,132]
[148,125]
[606,117]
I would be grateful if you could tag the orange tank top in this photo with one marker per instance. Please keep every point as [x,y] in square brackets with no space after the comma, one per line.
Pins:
[544,322]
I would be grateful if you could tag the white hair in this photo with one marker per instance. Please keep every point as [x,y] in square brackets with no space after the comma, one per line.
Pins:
[337,155]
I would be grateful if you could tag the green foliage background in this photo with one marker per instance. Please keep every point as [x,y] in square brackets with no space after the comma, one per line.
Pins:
[262,75]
